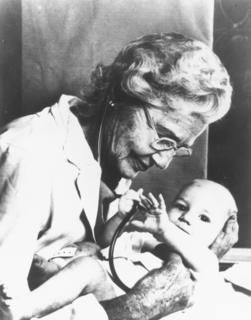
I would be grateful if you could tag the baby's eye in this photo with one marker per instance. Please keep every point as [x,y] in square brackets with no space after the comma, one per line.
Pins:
[204,218]
[180,206]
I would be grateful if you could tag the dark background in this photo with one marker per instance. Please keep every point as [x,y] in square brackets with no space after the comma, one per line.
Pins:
[229,157]
[10,59]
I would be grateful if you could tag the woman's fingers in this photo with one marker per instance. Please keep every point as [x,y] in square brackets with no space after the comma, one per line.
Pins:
[140,192]
[133,195]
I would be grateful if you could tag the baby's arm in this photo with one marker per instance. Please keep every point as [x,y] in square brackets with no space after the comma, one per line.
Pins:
[198,257]
[117,211]
[81,276]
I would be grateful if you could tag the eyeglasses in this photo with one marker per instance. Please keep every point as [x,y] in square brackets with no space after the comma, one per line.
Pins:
[165,143]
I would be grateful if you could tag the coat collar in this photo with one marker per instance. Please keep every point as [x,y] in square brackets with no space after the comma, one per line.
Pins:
[74,142]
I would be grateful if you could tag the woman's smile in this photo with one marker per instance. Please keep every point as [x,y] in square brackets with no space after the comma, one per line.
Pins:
[140,165]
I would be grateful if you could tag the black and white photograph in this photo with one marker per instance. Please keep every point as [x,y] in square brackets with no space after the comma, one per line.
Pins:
[125,159]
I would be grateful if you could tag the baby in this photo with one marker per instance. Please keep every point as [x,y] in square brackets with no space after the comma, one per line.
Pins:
[189,227]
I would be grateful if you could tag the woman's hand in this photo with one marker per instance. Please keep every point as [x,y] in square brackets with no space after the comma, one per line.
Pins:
[127,200]
[156,220]
[227,238]
[5,313]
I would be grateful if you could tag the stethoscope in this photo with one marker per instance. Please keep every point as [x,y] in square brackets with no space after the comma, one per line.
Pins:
[117,233]
[108,105]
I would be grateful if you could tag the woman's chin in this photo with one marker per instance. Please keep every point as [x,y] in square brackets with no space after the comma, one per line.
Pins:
[130,175]
[128,172]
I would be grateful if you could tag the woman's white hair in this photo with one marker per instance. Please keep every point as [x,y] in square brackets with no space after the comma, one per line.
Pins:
[157,69]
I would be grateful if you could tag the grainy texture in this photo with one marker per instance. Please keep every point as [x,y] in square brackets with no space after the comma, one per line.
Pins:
[167,290]
[62,41]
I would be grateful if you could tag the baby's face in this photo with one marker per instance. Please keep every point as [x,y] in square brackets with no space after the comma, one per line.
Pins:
[201,211]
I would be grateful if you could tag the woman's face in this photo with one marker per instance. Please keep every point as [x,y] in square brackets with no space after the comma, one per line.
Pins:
[130,142]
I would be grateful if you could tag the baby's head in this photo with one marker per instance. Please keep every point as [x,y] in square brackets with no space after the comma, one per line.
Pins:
[202,208]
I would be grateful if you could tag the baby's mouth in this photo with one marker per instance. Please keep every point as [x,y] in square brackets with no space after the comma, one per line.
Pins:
[183,228]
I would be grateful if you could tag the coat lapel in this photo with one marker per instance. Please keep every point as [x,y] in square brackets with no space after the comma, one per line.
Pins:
[79,154]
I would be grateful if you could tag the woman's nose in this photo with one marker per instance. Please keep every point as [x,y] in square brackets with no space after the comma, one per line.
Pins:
[163,158]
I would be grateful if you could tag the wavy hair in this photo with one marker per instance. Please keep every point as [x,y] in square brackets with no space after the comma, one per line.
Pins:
[159,68]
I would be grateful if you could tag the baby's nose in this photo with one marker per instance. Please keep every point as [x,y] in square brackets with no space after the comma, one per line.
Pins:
[187,218]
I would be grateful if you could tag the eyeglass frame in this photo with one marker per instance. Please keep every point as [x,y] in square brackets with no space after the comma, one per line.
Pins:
[185,151]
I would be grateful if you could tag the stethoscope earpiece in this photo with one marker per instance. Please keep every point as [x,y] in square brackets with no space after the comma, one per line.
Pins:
[111,103]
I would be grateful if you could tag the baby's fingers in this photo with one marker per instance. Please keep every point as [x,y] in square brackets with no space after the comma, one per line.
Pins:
[138,225]
[145,202]
[162,204]
[155,202]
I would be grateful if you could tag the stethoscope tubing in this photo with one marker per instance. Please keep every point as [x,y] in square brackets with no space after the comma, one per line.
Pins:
[116,235]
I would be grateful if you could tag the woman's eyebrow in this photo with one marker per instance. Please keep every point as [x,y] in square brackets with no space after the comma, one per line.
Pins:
[167,133]
[164,132]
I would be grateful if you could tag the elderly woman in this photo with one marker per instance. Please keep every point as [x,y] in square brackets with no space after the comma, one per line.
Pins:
[150,104]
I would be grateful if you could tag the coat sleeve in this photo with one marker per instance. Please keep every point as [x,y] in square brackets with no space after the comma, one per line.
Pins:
[24,205]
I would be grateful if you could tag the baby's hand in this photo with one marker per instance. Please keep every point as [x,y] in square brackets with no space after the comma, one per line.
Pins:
[127,200]
[156,219]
